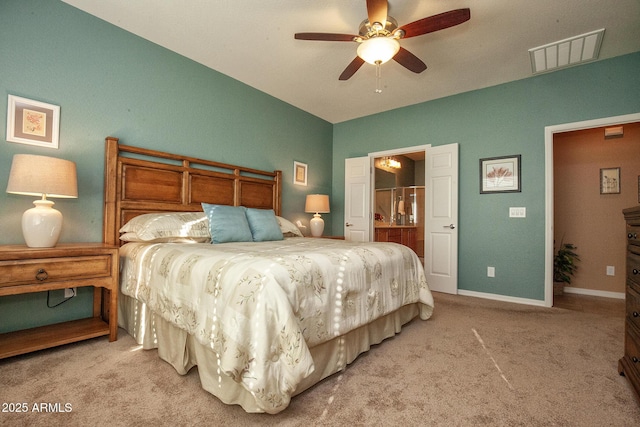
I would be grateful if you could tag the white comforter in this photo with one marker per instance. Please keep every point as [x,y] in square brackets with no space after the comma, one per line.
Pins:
[261,306]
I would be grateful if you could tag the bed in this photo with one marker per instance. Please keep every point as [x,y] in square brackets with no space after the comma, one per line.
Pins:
[262,318]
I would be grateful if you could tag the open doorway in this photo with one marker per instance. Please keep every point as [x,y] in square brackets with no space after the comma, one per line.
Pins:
[440,233]
[550,131]
[399,200]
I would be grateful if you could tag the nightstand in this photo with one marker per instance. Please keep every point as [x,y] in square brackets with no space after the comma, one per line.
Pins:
[328,237]
[26,270]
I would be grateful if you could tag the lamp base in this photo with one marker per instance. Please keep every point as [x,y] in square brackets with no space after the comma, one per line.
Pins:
[317,225]
[41,225]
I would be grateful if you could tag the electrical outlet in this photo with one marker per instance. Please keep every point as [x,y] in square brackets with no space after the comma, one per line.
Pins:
[491,272]
[517,212]
[611,270]
[70,292]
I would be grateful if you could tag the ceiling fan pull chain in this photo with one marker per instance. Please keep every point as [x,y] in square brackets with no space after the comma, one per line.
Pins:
[378,78]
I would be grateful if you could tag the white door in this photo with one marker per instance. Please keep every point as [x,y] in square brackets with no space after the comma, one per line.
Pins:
[357,199]
[441,219]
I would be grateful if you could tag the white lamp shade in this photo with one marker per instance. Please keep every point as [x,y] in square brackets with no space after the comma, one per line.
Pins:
[378,50]
[317,203]
[42,176]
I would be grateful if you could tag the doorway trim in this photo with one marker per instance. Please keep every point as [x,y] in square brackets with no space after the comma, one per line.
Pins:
[549,131]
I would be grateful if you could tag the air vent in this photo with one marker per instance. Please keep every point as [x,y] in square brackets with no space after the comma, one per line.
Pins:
[566,53]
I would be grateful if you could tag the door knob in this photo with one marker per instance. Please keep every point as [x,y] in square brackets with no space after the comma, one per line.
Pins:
[348,224]
[451,226]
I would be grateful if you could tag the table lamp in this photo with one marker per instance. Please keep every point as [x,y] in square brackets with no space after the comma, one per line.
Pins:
[317,203]
[46,177]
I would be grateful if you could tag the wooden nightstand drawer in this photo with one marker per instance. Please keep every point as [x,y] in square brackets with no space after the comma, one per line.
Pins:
[47,270]
[68,265]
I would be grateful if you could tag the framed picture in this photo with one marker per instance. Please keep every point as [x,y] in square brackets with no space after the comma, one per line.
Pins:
[500,174]
[32,122]
[610,181]
[299,173]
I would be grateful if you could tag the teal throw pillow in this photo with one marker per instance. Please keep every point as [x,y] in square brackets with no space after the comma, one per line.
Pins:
[263,224]
[227,223]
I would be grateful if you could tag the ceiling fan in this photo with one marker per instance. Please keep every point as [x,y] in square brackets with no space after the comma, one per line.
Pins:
[379,37]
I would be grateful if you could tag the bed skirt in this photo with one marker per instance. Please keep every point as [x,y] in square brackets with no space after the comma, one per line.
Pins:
[183,352]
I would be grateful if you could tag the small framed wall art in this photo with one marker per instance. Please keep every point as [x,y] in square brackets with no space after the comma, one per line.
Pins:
[299,173]
[610,181]
[500,174]
[33,122]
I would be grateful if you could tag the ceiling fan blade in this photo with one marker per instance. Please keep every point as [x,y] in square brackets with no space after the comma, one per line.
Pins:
[325,37]
[409,61]
[351,68]
[377,11]
[436,22]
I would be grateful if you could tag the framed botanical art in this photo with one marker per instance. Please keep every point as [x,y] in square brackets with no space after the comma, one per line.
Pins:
[32,122]
[500,174]
[610,181]
[299,173]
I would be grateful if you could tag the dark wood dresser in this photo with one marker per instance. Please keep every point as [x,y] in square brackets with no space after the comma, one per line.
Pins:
[405,235]
[629,364]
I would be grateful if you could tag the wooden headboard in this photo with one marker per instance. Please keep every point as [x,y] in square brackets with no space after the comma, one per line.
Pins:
[139,181]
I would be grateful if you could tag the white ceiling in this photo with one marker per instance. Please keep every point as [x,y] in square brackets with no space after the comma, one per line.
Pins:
[252,41]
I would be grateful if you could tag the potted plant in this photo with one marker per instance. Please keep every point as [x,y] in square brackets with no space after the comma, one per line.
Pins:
[564,267]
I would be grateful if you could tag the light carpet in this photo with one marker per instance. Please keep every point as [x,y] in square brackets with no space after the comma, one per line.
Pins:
[475,362]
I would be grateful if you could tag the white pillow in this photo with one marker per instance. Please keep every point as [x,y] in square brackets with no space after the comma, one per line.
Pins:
[288,228]
[167,227]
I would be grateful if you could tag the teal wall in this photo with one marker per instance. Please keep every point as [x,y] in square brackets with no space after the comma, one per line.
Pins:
[501,120]
[109,82]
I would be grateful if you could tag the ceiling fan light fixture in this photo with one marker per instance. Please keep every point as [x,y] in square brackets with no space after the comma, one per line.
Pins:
[378,50]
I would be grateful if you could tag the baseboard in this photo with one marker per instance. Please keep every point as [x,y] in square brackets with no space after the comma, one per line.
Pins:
[594,293]
[504,298]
